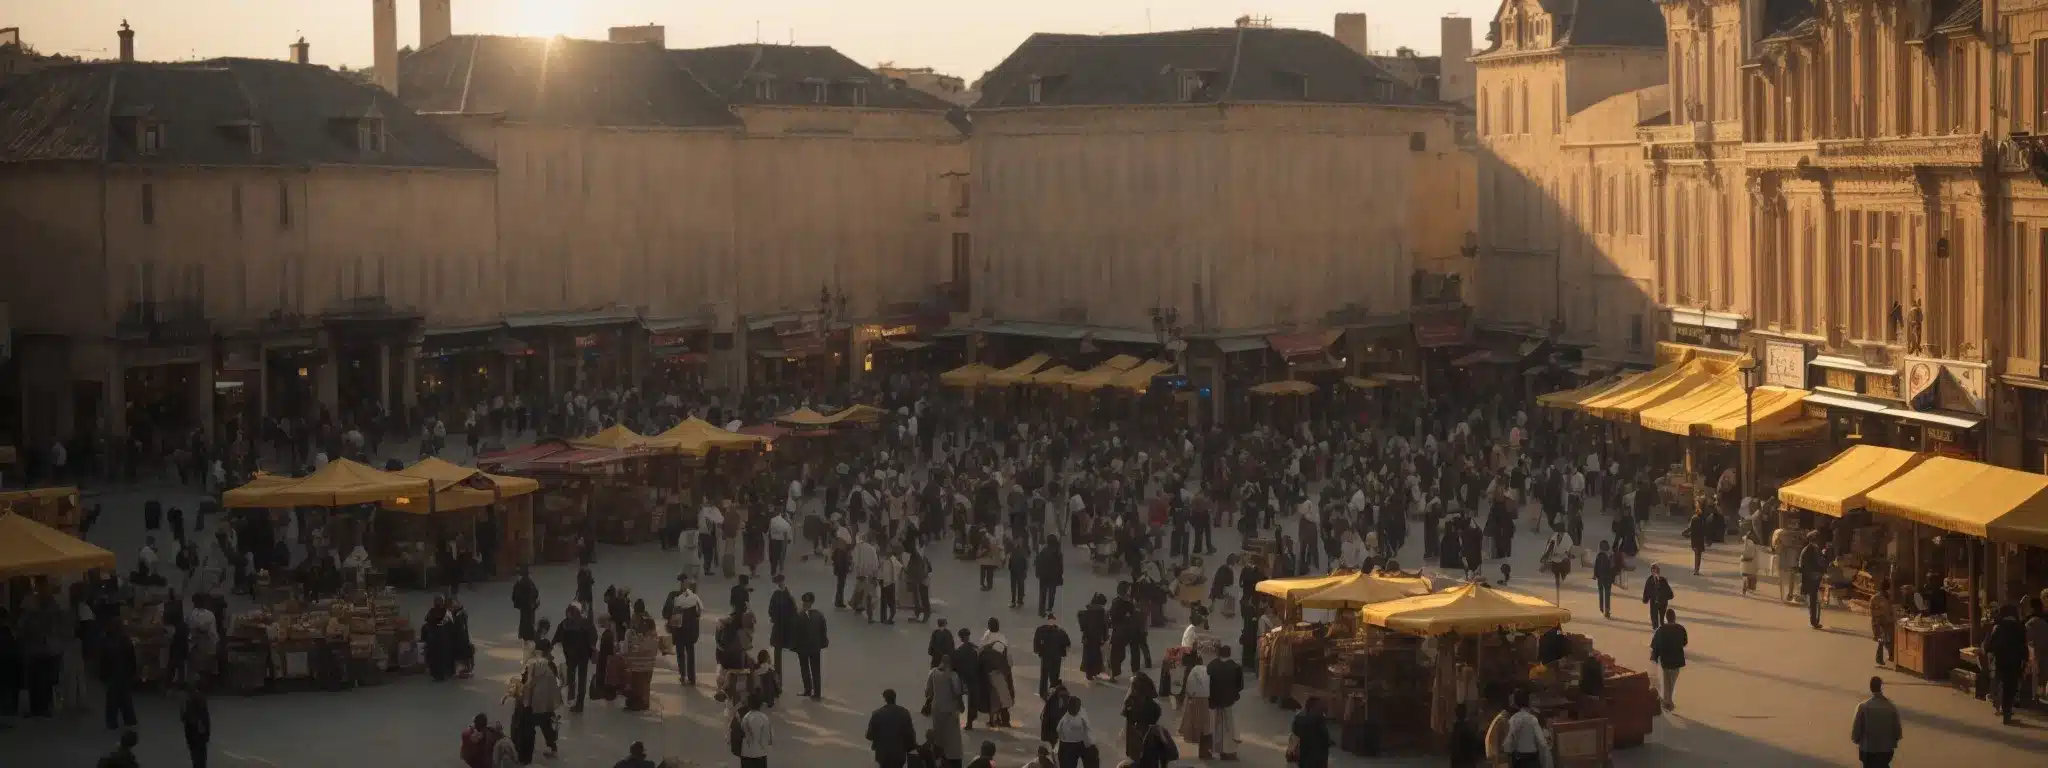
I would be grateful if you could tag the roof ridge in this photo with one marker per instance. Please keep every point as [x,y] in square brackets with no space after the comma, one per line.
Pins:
[1236,59]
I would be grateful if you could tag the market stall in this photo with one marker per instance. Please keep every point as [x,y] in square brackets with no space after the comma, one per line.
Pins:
[30,548]
[600,492]
[470,501]
[1867,547]
[56,506]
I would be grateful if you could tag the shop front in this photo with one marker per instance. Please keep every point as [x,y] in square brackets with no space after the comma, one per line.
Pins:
[2027,402]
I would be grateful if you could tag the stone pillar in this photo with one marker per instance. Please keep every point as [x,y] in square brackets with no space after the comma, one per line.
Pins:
[409,377]
[1217,413]
[202,395]
[116,415]
[327,382]
[547,351]
[507,368]
[384,375]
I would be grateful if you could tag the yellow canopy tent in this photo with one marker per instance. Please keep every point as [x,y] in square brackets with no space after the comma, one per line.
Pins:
[1361,382]
[2003,505]
[1633,385]
[1017,374]
[1775,415]
[1842,483]
[342,482]
[1570,398]
[805,417]
[1704,403]
[1100,376]
[969,375]
[618,437]
[1289,588]
[1289,387]
[696,437]
[1624,406]
[458,487]
[1364,589]
[1469,609]
[1053,376]
[29,548]
[1139,378]
[858,414]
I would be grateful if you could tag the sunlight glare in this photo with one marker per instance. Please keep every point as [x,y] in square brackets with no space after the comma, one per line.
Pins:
[546,17]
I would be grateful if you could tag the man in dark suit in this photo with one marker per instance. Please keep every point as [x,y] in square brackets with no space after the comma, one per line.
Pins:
[781,618]
[809,640]
[1051,644]
[891,732]
[941,646]
[966,663]
[1226,684]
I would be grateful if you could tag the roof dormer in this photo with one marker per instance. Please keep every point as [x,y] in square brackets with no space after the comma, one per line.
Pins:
[249,132]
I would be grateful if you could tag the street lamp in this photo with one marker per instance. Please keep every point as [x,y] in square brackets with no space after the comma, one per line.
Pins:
[1749,376]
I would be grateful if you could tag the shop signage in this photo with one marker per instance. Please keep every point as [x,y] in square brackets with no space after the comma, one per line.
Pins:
[1842,380]
[1923,377]
[1962,388]
[1714,338]
[1816,412]
[587,341]
[1785,364]
[890,331]
[1881,385]
[669,339]
[1940,435]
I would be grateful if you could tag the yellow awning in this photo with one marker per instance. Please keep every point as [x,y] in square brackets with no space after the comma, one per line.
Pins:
[805,417]
[1841,484]
[458,488]
[1288,387]
[1710,400]
[1647,392]
[1469,609]
[1773,409]
[619,438]
[342,482]
[1365,589]
[1360,382]
[969,375]
[1139,378]
[697,437]
[1120,363]
[1571,398]
[1019,372]
[1053,376]
[1287,588]
[29,548]
[1633,385]
[2004,505]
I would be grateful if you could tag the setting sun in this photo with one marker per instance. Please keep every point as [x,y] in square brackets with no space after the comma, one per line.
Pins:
[546,17]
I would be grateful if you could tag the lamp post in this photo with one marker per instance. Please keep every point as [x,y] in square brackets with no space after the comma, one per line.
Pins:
[1749,375]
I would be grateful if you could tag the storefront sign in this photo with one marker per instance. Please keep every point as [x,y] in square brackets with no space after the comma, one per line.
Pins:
[1962,388]
[1842,380]
[669,339]
[1785,364]
[1816,412]
[889,331]
[1940,435]
[1881,385]
[587,341]
[1712,338]
[1923,377]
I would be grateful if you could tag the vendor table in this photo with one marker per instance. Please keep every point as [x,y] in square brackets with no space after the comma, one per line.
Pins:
[1632,706]
[1929,654]
[1582,743]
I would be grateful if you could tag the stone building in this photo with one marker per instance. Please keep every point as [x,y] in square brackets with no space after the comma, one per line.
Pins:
[198,236]
[1565,251]
[1234,182]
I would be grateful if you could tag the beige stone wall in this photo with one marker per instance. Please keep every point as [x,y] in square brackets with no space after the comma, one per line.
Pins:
[49,219]
[1279,213]
[422,240]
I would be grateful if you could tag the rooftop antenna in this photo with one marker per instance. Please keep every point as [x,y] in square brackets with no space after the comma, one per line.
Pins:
[1148,17]
[757,31]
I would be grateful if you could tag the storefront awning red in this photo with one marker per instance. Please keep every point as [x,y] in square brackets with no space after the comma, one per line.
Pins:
[1436,328]
[1302,346]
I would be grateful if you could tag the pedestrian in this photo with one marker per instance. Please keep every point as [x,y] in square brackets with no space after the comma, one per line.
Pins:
[540,694]
[779,534]
[1657,594]
[1465,748]
[1700,530]
[1812,567]
[1525,743]
[1094,621]
[945,695]
[117,668]
[986,757]
[1752,564]
[526,600]
[636,757]
[1195,725]
[891,734]
[1603,579]
[198,721]
[2007,647]
[479,741]
[586,586]
[683,612]
[940,647]
[1226,685]
[1308,737]
[1050,643]
[1076,734]
[1876,729]
[756,737]
[966,662]
[1020,571]
[1883,618]
[1667,651]
[577,637]
[808,638]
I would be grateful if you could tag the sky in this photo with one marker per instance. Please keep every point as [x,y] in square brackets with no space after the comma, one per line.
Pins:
[959,37]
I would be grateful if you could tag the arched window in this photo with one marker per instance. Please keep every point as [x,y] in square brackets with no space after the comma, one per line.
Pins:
[1525,106]
[1507,109]
[1484,116]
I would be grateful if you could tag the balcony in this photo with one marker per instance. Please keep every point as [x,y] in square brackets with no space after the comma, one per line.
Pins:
[181,321]
[1902,152]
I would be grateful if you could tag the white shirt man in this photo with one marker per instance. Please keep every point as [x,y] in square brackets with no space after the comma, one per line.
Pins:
[1525,735]
[779,529]
[756,736]
[148,556]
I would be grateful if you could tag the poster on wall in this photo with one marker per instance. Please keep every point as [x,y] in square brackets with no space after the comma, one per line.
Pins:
[1922,379]
[1962,388]
[1785,364]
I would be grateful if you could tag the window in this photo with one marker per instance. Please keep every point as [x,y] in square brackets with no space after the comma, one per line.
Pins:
[1381,88]
[764,89]
[1523,97]
[1507,109]
[2040,86]
[370,135]
[1557,109]
[284,205]
[1418,141]
[818,92]
[850,94]
[963,271]
[1291,85]
[255,139]
[1046,88]
[149,203]
[1197,85]
[1484,116]
[152,140]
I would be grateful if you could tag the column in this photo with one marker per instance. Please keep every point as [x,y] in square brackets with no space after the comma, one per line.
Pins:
[327,383]
[409,378]
[116,414]
[547,351]
[507,371]
[384,375]
[202,395]
[255,429]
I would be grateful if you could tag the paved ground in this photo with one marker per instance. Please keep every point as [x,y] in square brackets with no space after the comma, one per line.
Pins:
[1762,688]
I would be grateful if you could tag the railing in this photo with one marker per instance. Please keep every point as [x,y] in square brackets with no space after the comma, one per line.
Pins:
[180,321]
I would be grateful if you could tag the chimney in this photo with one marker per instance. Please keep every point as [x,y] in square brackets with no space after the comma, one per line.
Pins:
[127,41]
[384,41]
[1351,32]
[645,33]
[301,52]
[436,24]
[1460,77]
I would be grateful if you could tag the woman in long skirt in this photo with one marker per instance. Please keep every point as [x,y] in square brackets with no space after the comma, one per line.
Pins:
[1141,712]
[1002,691]
[642,647]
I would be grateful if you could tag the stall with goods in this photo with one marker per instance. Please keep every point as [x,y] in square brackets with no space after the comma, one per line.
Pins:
[56,507]
[598,493]
[295,644]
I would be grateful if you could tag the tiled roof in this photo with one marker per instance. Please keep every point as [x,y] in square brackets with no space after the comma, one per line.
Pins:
[1251,63]
[1957,14]
[559,80]
[71,113]
[1627,23]
[734,71]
